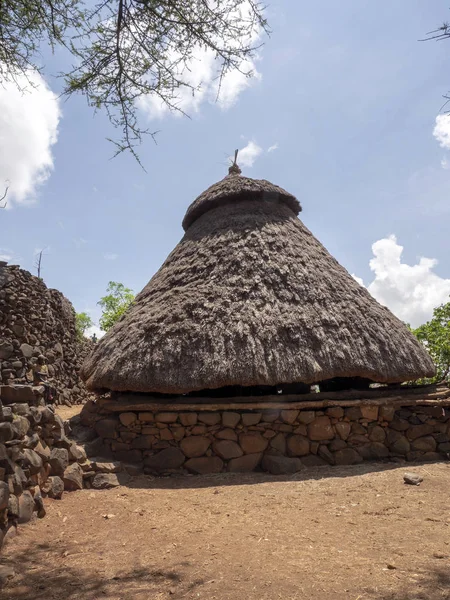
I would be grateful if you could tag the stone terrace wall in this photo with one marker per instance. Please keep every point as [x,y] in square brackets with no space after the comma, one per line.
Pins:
[278,441]
[36,320]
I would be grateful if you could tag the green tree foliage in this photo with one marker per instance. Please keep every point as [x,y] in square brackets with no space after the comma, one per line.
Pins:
[123,50]
[82,323]
[114,304]
[435,336]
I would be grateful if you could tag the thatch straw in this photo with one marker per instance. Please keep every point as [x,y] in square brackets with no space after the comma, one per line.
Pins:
[249,297]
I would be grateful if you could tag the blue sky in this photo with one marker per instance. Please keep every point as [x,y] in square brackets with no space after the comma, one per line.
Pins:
[346,93]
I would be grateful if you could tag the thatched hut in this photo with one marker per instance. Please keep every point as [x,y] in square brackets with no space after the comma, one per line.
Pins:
[250,298]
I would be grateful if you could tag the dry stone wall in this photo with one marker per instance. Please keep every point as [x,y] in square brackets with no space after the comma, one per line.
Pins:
[278,441]
[39,459]
[36,320]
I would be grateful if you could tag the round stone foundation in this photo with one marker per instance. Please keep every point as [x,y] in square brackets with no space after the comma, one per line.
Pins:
[210,439]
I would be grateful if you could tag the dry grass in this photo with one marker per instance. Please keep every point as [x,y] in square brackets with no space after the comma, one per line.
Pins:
[330,533]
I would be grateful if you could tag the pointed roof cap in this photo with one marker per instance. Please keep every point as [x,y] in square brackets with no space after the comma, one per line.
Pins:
[236,188]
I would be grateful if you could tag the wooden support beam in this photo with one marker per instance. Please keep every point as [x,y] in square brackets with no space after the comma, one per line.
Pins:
[437,396]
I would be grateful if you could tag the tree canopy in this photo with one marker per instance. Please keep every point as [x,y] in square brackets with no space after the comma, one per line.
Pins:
[124,50]
[435,336]
[114,304]
[82,323]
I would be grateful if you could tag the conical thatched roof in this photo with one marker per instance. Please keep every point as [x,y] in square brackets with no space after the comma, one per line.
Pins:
[250,297]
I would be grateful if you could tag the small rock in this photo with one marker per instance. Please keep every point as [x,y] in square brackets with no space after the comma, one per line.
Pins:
[55,487]
[73,477]
[412,478]
[59,459]
[103,481]
[26,507]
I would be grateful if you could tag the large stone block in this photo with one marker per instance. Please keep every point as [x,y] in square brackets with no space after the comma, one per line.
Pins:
[249,419]
[59,460]
[226,434]
[252,442]
[195,446]
[386,413]
[230,419]
[209,418]
[204,465]
[279,443]
[424,444]
[297,445]
[73,477]
[320,429]
[6,432]
[377,434]
[127,418]
[289,416]
[4,495]
[306,416]
[143,442]
[281,465]
[417,431]
[400,446]
[347,456]
[244,464]
[369,412]
[107,428]
[188,418]
[146,417]
[167,459]
[335,412]
[20,427]
[166,417]
[227,449]
[32,461]
[26,507]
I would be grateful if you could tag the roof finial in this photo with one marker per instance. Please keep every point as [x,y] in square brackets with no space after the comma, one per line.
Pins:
[234,169]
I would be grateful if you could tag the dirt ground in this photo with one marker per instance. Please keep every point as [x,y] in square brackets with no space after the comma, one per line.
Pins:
[328,533]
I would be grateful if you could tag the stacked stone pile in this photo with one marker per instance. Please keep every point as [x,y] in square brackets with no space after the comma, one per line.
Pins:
[38,460]
[35,320]
[278,441]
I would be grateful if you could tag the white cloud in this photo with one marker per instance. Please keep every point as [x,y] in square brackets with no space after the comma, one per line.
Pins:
[410,291]
[201,73]
[9,255]
[248,154]
[441,130]
[358,279]
[273,147]
[110,256]
[28,129]
[94,330]
[445,163]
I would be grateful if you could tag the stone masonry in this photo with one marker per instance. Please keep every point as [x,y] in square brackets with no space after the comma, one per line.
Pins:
[277,441]
[36,320]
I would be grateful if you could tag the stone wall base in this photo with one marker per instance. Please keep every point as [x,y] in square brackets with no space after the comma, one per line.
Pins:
[277,441]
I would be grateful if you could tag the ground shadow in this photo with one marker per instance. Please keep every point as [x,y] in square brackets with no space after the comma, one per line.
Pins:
[431,585]
[46,572]
[178,481]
